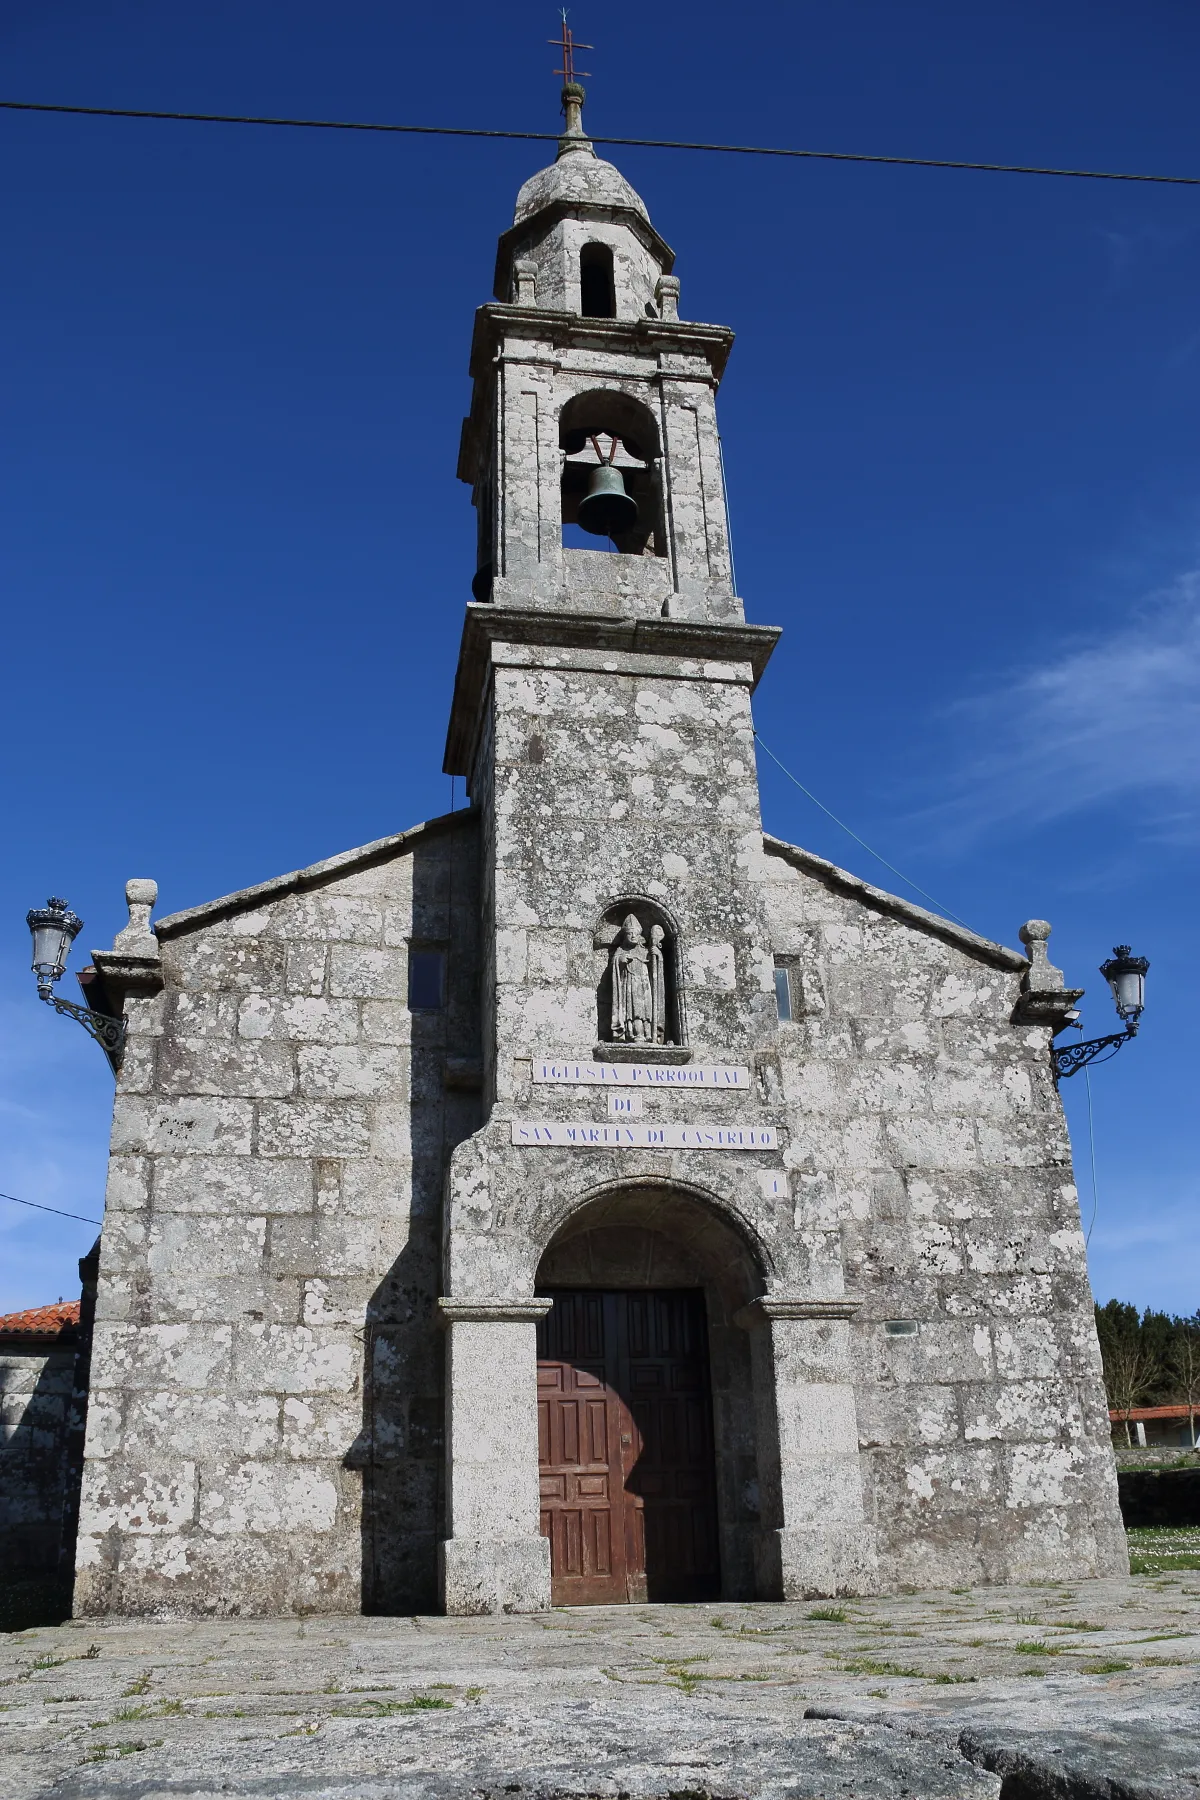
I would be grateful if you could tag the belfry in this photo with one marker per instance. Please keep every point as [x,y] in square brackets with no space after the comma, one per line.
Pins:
[585,1197]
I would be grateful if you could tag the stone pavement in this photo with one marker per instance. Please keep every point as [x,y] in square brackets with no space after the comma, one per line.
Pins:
[1084,1689]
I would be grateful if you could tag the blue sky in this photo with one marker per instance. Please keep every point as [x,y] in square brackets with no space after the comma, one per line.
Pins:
[960,435]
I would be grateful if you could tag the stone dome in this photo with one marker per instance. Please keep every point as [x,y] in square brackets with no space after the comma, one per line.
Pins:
[578,178]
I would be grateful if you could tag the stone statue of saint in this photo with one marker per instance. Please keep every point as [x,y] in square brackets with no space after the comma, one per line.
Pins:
[632,989]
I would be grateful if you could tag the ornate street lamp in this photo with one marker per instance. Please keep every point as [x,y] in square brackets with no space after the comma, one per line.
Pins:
[1125,974]
[54,928]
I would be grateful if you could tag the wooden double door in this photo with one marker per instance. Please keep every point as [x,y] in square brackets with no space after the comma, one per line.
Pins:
[625,1447]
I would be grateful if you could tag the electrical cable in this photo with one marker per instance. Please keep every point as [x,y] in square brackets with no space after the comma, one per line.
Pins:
[844,827]
[38,1207]
[552,137]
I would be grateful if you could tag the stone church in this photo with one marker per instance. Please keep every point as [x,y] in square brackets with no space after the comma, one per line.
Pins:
[585,1197]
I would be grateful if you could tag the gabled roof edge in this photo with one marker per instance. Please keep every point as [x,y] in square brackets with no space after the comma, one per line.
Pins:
[999,955]
[246,899]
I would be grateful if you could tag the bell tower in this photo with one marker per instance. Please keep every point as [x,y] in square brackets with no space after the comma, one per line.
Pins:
[594,405]
[601,719]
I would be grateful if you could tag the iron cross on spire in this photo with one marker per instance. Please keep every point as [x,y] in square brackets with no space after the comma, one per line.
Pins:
[568,46]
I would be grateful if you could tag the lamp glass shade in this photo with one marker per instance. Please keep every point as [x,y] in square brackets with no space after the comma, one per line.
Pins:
[53,928]
[1126,976]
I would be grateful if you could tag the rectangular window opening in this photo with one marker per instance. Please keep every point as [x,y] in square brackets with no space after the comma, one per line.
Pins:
[426,980]
[783,993]
[900,1327]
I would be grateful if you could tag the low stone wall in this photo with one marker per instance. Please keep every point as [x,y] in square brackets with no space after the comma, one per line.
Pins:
[1159,1497]
[35,1419]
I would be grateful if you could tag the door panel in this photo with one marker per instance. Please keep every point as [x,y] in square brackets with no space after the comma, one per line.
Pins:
[625,1443]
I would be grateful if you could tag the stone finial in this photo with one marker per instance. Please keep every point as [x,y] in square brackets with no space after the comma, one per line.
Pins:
[666,292]
[1044,998]
[136,938]
[1042,973]
[525,283]
[573,138]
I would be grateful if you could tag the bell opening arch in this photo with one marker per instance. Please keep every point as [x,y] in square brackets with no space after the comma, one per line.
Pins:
[647,1415]
[611,481]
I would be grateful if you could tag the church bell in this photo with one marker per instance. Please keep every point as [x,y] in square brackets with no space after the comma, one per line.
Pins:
[606,509]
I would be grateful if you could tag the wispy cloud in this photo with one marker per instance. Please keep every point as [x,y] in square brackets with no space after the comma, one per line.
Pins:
[1104,720]
[1146,242]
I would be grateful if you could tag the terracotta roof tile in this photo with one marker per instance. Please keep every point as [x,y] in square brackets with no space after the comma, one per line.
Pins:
[1119,1415]
[44,1323]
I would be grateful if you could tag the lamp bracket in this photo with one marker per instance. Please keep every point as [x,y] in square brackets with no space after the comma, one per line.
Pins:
[109,1033]
[1073,1057]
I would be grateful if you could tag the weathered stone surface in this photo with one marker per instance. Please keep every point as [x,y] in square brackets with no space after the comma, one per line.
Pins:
[927,1695]
[36,1389]
[318,1130]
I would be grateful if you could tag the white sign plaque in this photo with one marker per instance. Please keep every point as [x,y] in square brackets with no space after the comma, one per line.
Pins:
[643,1134]
[675,1076]
[628,1105]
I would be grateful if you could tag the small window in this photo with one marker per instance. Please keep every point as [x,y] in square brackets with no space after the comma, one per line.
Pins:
[783,993]
[597,295]
[426,980]
[900,1327]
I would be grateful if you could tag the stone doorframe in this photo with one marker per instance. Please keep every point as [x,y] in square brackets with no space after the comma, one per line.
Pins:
[814,1537]
[495,1559]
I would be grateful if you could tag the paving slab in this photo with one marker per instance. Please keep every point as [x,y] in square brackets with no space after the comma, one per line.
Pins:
[1082,1689]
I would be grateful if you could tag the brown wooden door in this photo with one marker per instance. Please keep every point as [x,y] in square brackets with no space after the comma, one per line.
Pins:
[625,1446]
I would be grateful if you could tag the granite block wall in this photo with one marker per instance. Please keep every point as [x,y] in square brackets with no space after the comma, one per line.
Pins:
[36,1388]
[264,1429]
[928,1156]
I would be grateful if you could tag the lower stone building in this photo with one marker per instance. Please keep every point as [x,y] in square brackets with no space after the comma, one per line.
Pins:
[584,1196]
[44,1356]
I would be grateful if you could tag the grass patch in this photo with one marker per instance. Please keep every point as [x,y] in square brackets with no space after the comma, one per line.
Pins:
[137,1687]
[1154,1549]
[832,1615]
[1035,1647]
[1078,1625]
[111,1752]
[130,1715]
[867,1665]
[387,1709]
[1105,1668]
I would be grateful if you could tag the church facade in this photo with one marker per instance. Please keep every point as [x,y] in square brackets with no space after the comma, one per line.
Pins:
[585,1197]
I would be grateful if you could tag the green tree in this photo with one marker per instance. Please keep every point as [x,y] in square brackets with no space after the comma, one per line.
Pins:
[1131,1354]
[1184,1367]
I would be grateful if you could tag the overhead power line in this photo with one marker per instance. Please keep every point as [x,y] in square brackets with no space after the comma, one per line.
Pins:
[551,137]
[38,1207]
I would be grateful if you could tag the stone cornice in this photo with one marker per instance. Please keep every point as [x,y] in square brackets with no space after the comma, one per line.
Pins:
[316,875]
[680,337]
[502,1312]
[842,882]
[769,1307]
[486,624]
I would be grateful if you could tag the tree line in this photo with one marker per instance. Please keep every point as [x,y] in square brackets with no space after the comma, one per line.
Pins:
[1150,1359]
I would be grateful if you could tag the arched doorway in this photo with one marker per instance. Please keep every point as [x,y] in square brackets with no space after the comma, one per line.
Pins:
[646,1425]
